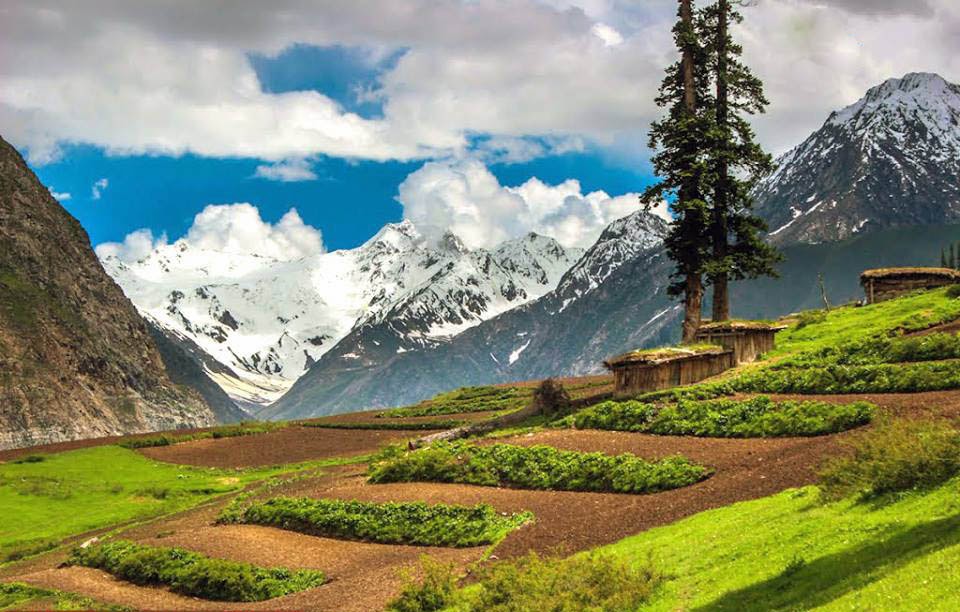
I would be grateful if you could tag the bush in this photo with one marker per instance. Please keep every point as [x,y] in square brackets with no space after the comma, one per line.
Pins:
[194,574]
[756,417]
[897,455]
[227,431]
[535,467]
[551,398]
[953,291]
[881,378]
[602,583]
[388,523]
[434,591]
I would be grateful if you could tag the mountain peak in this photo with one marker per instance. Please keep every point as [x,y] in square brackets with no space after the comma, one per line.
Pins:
[402,235]
[921,93]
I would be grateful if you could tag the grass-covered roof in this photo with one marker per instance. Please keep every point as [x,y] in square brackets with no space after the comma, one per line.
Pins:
[665,354]
[909,273]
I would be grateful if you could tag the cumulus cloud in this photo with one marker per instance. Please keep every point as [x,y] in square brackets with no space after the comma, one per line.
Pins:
[230,228]
[170,77]
[135,246]
[466,198]
[98,187]
[288,171]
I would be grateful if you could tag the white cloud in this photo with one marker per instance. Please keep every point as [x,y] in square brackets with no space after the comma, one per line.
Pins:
[465,197]
[608,35]
[59,196]
[288,171]
[230,228]
[135,246]
[171,77]
[98,187]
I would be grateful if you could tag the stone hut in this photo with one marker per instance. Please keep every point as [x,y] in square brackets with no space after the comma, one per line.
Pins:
[663,368]
[747,339]
[887,283]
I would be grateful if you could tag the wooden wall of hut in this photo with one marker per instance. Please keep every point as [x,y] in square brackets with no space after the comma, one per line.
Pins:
[883,289]
[747,344]
[635,378]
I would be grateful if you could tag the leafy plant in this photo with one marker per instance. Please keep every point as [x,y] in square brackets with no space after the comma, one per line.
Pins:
[389,523]
[194,574]
[602,583]
[897,455]
[756,417]
[535,467]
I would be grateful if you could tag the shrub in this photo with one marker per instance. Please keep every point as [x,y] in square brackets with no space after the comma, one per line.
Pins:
[881,378]
[194,574]
[953,291]
[434,591]
[756,417]
[597,582]
[30,459]
[389,523]
[551,398]
[897,455]
[535,467]
[227,431]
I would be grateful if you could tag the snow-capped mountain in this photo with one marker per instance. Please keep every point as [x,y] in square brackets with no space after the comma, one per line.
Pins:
[892,159]
[613,297]
[266,321]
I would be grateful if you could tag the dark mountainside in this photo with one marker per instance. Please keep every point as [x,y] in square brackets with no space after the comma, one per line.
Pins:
[76,360]
[890,160]
[184,362]
[884,172]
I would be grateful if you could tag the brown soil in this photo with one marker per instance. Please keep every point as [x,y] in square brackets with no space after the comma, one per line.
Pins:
[288,445]
[364,576]
[952,327]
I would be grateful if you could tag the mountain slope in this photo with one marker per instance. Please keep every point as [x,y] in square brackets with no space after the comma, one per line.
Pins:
[892,159]
[612,298]
[76,360]
[266,321]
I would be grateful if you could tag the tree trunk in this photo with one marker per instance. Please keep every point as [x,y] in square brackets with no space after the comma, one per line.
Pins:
[693,303]
[693,291]
[721,295]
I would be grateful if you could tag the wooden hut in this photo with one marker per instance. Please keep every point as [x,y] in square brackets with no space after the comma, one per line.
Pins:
[747,339]
[663,368]
[887,283]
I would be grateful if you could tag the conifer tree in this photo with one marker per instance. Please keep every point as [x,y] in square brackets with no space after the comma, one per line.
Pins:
[953,257]
[736,160]
[680,139]
[943,258]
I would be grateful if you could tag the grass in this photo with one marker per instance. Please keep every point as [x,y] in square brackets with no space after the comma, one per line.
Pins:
[249,428]
[791,551]
[897,455]
[78,491]
[387,425]
[467,399]
[193,574]
[20,596]
[757,417]
[534,467]
[387,523]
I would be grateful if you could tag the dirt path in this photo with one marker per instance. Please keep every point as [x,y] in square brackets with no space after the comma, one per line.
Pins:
[288,445]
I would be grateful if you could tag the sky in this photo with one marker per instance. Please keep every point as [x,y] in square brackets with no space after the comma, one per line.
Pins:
[161,120]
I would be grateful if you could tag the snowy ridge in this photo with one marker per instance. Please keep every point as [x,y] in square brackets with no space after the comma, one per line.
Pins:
[890,159]
[267,321]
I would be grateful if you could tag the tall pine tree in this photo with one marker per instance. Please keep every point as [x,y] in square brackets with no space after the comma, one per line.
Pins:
[736,160]
[680,139]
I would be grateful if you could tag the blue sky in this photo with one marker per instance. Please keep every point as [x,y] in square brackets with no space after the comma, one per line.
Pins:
[348,201]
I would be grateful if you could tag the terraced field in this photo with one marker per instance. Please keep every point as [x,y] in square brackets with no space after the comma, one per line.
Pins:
[303,461]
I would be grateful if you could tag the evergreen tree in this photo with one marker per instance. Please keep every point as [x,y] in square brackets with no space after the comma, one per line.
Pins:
[680,139]
[943,258]
[953,257]
[736,161]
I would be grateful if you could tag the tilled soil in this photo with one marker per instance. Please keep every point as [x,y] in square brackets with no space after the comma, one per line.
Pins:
[289,445]
[370,416]
[365,576]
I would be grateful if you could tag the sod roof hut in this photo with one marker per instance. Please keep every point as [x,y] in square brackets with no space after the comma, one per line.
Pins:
[663,368]
[747,339]
[887,283]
